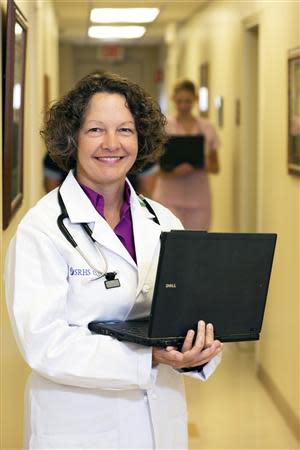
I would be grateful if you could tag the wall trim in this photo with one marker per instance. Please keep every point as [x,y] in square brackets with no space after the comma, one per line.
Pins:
[280,402]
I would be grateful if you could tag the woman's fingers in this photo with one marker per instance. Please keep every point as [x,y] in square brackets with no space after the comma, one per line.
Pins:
[196,350]
[161,356]
[204,338]
[188,359]
[204,348]
[209,338]
[199,341]
[207,354]
[200,338]
[188,342]
[178,360]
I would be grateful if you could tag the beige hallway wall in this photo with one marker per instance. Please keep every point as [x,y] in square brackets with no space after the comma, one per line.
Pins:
[139,64]
[42,59]
[216,35]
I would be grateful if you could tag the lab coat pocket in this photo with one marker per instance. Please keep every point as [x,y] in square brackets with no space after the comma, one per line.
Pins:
[105,440]
[67,417]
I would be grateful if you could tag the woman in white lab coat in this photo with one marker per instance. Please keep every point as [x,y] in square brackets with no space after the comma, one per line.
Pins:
[89,391]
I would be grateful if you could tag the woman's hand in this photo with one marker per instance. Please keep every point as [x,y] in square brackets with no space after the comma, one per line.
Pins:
[193,352]
[179,171]
[183,169]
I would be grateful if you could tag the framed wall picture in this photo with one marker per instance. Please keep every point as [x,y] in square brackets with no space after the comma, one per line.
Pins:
[14,86]
[219,105]
[203,94]
[238,112]
[294,111]
[46,92]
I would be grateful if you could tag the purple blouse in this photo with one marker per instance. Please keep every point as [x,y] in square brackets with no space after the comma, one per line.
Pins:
[124,229]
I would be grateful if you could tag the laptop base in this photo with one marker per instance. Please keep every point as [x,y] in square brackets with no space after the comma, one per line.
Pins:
[122,332]
[133,331]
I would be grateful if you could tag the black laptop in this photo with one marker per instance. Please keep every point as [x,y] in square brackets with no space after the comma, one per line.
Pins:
[222,278]
[181,149]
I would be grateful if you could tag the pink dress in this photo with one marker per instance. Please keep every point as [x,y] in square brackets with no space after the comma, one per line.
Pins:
[188,196]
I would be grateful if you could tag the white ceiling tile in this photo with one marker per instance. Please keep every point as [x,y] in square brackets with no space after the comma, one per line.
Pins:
[73,15]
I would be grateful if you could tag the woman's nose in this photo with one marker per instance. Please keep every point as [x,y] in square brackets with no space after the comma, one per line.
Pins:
[110,141]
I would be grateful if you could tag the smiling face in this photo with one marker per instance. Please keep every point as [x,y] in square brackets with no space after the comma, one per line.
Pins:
[107,142]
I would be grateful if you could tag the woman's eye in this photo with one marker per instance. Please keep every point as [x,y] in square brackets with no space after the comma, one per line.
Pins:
[126,130]
[95,130]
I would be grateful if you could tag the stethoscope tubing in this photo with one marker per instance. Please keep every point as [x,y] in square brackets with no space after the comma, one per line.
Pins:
[60,222]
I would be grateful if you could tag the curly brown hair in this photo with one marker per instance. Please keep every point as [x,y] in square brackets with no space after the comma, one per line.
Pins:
[66,116]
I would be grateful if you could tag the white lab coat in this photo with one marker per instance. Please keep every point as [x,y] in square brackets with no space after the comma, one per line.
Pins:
[90,391]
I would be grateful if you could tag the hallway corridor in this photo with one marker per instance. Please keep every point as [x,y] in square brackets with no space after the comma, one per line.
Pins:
[243,59]
[232,409]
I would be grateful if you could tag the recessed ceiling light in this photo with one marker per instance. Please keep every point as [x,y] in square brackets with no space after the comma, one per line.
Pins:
[114,32]
[128,15]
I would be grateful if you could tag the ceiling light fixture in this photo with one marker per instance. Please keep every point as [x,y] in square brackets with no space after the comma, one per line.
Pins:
[114,32]
[128,15]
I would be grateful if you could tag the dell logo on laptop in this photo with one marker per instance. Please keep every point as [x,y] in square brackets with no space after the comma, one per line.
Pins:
[170,285]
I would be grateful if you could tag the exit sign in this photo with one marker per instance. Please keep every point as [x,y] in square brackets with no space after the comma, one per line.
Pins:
[111,53]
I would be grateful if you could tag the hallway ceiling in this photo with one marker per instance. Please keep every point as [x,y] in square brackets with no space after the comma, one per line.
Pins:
[73,18]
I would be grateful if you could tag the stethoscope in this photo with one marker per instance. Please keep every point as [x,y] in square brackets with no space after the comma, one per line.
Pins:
[110,277]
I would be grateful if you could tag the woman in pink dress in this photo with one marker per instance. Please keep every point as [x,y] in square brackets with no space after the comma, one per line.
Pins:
[185,190]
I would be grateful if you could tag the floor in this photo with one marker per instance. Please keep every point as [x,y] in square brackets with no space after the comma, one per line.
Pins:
[232,409]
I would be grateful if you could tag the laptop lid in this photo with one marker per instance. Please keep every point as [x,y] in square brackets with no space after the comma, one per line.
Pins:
[180,149]
[222,278]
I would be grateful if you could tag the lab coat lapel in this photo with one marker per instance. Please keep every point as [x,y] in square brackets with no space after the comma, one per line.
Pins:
[81,210]
[146,238]
[79,207]
[106,236]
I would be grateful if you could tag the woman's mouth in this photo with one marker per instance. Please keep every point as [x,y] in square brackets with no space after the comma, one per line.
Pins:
[109,159]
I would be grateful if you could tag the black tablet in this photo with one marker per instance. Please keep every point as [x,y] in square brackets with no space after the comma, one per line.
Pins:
[182,149]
